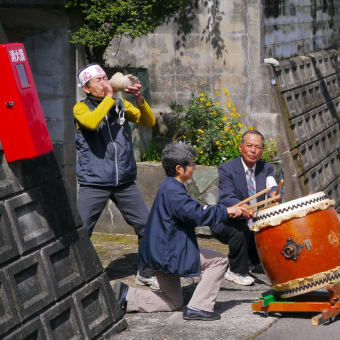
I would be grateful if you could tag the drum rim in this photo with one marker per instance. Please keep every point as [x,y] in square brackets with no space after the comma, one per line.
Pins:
[307,284]
[309,203]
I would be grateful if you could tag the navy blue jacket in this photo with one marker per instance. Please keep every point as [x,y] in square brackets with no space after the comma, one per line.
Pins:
[169,243]
[232,187]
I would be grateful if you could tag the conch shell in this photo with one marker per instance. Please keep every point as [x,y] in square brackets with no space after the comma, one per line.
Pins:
[119,82]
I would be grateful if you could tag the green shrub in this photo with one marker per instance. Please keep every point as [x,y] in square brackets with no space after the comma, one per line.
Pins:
[214,130]
[154,153]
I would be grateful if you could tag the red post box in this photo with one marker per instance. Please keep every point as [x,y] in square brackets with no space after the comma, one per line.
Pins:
[23,130]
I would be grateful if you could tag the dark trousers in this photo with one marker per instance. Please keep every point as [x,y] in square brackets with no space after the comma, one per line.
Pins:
[128,199]
[242,247]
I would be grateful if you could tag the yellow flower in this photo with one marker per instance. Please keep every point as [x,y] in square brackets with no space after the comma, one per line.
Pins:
[197,140]
[217,103]
[218,92]
[218,142]
[202,94]
[232,132]
[226,129]
[226,92]
[214,113]
[200,131]
[208,104]
[233,115]
[228,123]
[240,125]
[251,128]
[202,99]
[224,117]
[201,152]
[238,115]
[234,108]
[228,103]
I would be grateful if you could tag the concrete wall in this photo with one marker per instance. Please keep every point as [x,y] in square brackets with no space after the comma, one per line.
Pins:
[44,32]
[218,45]
[299,27]
[308,90]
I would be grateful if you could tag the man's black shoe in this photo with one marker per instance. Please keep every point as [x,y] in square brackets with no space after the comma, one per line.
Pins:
[190,314]
[120,291]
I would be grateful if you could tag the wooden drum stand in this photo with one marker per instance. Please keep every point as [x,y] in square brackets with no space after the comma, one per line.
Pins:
[328,305]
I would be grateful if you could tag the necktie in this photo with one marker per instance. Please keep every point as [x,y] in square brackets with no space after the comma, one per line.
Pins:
[250,184]
[251,188]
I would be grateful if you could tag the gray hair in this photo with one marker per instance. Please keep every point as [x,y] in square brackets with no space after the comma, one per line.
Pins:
[253,132]
[176,154]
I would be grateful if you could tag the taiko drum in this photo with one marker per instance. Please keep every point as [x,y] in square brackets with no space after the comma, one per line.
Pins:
[298,243]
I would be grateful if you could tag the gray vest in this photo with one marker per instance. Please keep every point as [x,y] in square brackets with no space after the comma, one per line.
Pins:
[105,156]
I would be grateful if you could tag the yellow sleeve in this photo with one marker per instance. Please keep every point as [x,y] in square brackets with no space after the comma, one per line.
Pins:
[142,115]
[91,119]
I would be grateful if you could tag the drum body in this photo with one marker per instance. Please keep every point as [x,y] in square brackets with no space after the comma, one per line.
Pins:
[298,243]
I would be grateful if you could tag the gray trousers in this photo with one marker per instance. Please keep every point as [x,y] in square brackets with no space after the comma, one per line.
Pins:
[128,199]
[170,298]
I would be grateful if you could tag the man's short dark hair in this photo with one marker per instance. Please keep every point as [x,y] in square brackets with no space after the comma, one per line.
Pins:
[176,154]
[253,132]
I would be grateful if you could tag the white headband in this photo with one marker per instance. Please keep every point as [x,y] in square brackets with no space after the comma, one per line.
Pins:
[90,72]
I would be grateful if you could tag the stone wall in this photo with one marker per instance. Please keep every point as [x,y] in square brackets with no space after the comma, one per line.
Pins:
[52,283]
[308,90]
[299,27]
[44,33]
[217,45]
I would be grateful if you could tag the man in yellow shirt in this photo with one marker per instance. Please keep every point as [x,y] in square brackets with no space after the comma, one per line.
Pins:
[106,166]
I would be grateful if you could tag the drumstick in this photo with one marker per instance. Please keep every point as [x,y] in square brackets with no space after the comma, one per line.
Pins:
[264,201]
[276,193]
[267,206]
[262,192]
[279,187]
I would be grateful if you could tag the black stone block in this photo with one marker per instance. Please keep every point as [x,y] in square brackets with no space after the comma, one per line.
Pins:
[8,315]
[117,312]
[61,260]
[8,248]
[8,185]
[114,330]
[61,322]
[29,221]
[30,285]
[56,206]
[33,330]
[93,308]
[90,262]
[32,172]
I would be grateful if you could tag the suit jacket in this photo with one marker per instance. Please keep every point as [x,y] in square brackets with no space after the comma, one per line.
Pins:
[232,186]
[169,243]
